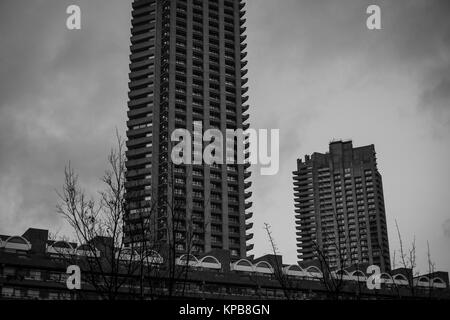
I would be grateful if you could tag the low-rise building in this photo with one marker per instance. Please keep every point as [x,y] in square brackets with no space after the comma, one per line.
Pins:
[34,267]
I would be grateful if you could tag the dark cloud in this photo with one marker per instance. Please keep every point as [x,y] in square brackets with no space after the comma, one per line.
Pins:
[62,95]
[420,46]
[315,73]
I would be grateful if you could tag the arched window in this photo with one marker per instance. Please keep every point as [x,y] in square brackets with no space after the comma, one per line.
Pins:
[438,283]
[127,254]
[187,260]
[423,281]
[341,274]
[62,244]
[386,278]
[263,267]
[358,275]
[294,270]
[17,243]
[61,248]
[153,257]
[86,251]
[400,279]
[242,265]
[210,262]
[314,272]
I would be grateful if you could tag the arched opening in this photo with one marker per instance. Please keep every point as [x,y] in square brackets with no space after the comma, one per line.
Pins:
[153,257]
[386,278]
[358,275]
[313,272]
[423,281]
[210,262]
[61,248]
[62,244]
[400,279]
[17,243]
[127,254]
[263,267]
[85,250]
[439,283]
[341,274]
[242,265]
[187,260]
[294,270]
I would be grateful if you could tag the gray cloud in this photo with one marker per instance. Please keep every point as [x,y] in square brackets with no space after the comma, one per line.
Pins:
[436,97]
[446,227]
[62,94]
[315,72]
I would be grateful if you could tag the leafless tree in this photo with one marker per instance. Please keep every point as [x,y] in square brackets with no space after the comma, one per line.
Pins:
[180,236]
[98,225]
[333,271]
[332,281]
[408,260]
[100,222]
[283,279]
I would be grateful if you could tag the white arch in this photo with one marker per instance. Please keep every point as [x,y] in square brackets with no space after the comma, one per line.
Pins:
[313,269]
[345,275]
[294,270]
[294,266]
[189,257]
[342,271]
[358,275]
[2,244]
[314,272]
[67,244]
[438,283]
[153,257]
[210,265]
[400,279]
[80,251]
[263,267]
[359,272]
[127,254]
[54,248]
[422,281]
[187,260]
[386,278]
[24,244]
[238,266]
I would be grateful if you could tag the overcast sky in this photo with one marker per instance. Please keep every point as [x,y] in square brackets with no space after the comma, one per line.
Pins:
[316,73]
